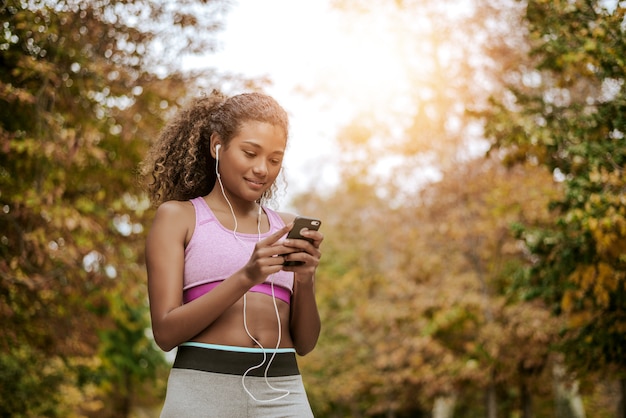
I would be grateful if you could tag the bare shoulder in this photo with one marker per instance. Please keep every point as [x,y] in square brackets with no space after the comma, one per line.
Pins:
[175,209]
[176,219]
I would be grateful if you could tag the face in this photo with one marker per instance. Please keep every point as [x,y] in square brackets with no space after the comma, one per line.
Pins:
[252,160]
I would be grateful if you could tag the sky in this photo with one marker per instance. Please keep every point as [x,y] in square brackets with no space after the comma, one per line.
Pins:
[310,46]
[285,41]
[355,63]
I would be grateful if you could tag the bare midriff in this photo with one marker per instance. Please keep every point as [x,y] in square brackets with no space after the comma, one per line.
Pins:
[261,320]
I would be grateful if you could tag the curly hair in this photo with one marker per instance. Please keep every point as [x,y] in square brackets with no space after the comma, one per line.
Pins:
[179,165]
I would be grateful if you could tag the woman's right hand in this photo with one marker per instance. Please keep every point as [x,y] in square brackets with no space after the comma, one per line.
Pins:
[266,259]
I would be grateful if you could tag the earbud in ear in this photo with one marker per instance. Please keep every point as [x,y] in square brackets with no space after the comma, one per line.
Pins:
[217,160]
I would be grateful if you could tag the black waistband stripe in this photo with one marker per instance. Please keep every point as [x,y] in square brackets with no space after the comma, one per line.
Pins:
[235,363]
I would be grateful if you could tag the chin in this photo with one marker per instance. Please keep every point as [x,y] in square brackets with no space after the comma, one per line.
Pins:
[253,196]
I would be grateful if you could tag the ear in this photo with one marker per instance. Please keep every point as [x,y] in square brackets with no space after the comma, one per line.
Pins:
[214,141]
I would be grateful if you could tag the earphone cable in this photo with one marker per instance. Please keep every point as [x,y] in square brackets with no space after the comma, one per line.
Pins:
[245,324]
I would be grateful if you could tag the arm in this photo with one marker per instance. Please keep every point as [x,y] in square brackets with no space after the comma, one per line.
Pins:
[305,323]
[173,322]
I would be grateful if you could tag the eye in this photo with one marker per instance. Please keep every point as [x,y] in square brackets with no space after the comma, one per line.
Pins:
[249,154]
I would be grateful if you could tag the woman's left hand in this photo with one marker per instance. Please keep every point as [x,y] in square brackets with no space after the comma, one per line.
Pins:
[308,253]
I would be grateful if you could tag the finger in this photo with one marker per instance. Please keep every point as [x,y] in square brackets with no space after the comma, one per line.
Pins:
[277,260]
[317,238]
[273,238]
[305,245]
[303,251]
[300,260]
[275,250]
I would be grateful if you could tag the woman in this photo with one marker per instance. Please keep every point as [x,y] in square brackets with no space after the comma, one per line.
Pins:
[217,285]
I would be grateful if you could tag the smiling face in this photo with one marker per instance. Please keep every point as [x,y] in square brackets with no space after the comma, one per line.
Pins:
[251,161]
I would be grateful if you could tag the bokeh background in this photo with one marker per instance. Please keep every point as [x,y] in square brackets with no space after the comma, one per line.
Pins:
[467,158]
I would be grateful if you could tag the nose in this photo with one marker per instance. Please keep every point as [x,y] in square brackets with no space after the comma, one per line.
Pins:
[260,168]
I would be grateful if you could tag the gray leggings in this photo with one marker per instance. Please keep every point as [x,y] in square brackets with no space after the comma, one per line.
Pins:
[208,383]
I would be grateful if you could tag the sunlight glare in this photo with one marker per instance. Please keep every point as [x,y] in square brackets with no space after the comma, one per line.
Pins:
[364,63]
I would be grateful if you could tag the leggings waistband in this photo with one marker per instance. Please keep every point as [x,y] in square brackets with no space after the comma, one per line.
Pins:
[205,359]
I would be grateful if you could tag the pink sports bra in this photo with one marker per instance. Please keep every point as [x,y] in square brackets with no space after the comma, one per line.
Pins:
[214,254]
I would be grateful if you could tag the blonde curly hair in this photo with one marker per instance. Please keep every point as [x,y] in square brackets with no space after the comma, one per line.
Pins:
[179,165]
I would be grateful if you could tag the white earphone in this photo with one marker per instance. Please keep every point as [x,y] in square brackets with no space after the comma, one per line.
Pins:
[245,325]
[217,160]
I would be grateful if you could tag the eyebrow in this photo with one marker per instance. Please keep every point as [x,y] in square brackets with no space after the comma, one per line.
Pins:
[257,145]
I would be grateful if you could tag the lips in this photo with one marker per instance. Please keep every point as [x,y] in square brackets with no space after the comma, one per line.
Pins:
[256,184]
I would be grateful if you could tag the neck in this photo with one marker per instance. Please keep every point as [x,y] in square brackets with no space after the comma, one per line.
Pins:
[242,208]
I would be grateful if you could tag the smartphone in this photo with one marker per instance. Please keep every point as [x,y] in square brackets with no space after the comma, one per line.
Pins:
[299,223]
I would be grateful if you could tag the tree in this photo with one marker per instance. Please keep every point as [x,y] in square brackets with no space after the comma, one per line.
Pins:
[555,70]
[569,117]
[84,86]
[447,239]
[415,296]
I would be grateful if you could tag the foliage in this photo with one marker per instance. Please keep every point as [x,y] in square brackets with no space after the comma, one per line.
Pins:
[428,293]
[423,285]
[415,300]
[570,117]
[84,86]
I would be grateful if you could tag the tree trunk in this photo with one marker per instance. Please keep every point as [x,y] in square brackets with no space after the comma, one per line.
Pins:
[621,406]
[444,406]
[568,403]
[491,401]
[526,400]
